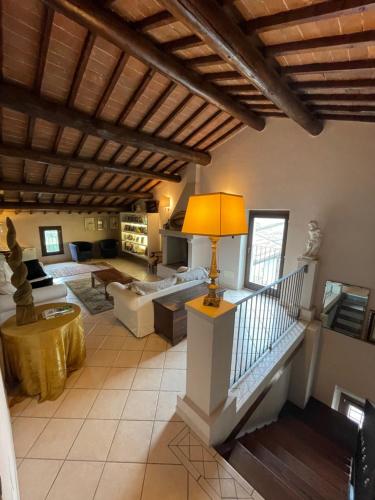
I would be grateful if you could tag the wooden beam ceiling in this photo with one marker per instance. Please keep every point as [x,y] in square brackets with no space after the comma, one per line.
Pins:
[43,188]
[69,161]
[110,26]
[24,101]
[225,37]
[57,207]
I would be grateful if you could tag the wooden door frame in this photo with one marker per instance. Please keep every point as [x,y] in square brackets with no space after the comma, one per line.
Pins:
[266,214]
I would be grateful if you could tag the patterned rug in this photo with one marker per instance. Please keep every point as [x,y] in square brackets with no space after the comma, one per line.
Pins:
[62,269]
[92,298]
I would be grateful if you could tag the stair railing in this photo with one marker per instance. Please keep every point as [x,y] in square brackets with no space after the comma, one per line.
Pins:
[262,318]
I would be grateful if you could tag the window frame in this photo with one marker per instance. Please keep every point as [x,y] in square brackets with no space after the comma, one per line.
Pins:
[42,230]
[346,401]
[266,214]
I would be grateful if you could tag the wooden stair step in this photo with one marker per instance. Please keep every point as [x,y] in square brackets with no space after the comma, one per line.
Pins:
[323,487]
[263,479]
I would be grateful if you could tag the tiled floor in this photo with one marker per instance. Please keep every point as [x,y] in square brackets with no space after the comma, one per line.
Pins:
[114,433]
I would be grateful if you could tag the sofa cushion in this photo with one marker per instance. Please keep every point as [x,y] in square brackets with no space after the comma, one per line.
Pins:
[6,287]
[34,269]
[147,287]
[198,273]
[39,283]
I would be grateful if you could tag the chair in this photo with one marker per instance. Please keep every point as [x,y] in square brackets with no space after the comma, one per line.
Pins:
[108,248]
[81,250]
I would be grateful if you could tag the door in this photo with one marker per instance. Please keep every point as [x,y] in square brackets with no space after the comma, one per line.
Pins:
[266,247]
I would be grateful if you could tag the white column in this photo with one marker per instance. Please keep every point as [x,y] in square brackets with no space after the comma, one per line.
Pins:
[308,289]
[206,407]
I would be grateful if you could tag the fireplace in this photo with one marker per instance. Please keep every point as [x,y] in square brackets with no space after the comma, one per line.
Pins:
[176,252]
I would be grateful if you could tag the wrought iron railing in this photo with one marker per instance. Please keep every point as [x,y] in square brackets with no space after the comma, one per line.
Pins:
[262,318]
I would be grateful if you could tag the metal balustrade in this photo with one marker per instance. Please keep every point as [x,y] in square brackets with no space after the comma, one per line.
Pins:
[262,318]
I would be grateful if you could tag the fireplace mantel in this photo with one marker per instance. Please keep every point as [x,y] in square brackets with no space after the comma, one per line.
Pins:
[178,234]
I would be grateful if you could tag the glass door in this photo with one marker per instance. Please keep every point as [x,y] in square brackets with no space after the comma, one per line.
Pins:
[266,247]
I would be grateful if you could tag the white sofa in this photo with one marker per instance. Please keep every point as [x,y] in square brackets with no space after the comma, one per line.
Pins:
[136,312]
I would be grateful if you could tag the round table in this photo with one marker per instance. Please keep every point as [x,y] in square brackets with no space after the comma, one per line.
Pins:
[39,356]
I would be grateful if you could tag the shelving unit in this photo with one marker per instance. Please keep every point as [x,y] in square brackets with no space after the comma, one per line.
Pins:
[139,234]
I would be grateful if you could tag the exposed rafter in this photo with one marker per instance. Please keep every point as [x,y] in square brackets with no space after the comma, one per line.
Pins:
[221,34]
[113,28]
[57,207]
[99,166]
[22,100]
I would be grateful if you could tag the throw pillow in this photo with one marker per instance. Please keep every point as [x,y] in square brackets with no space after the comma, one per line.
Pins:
[183,269]
[147,287]
[198,273]
[48,281]
[6,287]
[34,269]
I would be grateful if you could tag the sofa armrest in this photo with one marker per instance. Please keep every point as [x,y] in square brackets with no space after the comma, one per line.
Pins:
[130,300]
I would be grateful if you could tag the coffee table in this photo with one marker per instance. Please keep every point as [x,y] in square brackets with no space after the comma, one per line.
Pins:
[107,276]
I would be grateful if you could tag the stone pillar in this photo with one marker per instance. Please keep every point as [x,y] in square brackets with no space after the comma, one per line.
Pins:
[309,281]
[206,406]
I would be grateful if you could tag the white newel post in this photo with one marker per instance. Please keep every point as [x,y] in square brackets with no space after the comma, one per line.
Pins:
[206,407]
[309,281]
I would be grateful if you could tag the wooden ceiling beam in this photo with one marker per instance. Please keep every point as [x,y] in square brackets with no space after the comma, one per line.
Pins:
[218,30]
[209,60]
[114,29]
[321,43]
[42,188]
[157,20]
[302,69]
[186,42]
[334,84]
[348,108]
[24,101]
[53,207]
[310,13]
[351,118]
[339,97]
[65,161]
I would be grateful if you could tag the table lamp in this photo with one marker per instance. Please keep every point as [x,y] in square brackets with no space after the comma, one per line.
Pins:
[215,215]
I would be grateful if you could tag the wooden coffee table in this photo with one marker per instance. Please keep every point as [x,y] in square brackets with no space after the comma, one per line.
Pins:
[107,276]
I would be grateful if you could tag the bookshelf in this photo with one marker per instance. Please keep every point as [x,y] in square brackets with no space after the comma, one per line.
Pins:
[139,234]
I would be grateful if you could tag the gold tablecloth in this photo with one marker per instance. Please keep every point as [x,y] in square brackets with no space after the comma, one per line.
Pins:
[39,356]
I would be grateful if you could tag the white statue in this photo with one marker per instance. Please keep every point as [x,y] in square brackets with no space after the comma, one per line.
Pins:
[314,240]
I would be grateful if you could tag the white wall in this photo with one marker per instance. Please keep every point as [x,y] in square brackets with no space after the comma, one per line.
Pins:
[329,178]
[27,228]
[8,468]
[347,363]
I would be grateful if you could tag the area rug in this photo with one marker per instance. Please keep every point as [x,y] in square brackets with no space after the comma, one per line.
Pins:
[92,298]
[62,269]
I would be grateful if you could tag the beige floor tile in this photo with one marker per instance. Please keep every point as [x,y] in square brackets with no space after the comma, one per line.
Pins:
[141,405]
[56,439]
[119,378]
[72,378]
[166,409]
[121,481]
[103,357]
[128,359]
[92,377]
[94,341]
[77,403]
[195,491]
[181,346]
[119,330]
[113,343]
[45,408]
[152,359]
[94,440]
[147,379]
[131,442]
[19,407]
[167,482]
[25,432]
[100,329]
[76,481]
[134,344]
[176,360]
[173,380]
[109,404]
[36,477]
[155,343]
[162,435]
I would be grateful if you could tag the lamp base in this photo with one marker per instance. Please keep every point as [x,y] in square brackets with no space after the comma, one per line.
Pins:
[211,301]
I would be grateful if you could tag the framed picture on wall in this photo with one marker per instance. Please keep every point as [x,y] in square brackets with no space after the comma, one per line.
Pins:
[89,223]
[371,327]
[101,223]
[113,222]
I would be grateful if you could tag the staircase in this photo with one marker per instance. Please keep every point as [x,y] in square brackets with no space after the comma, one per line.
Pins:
[306,454]
[350,316]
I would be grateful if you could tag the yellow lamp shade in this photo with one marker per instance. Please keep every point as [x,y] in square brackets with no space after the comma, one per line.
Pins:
[215,214]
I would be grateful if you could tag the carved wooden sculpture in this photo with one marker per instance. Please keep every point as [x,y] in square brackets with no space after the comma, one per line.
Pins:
[25,311]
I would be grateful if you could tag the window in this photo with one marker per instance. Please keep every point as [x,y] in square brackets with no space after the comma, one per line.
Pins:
[51,240]
[266,247]
[352,408]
